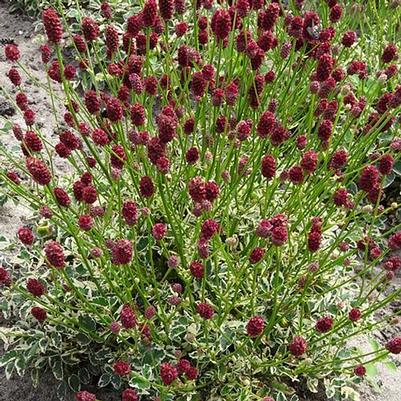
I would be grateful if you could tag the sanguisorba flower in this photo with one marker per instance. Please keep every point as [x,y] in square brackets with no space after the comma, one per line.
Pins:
[122,368]
[55,254]
[168,373]
[121,252]
[53,26]
[298,346]
[255,326]
[394,345]
[128,317]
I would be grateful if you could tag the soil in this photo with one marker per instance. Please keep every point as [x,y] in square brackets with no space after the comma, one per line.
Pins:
[20,29]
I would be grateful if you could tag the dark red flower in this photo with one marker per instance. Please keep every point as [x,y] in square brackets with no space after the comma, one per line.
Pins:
[386,164]
[279,235]
[149,13]
[39,314]
[79,43]
[325,130]
[167,128]
[138,114]
[221,23]
[85,396]
[11,52]
[38,170]
[314,240]
[130,212]
[298,346]
[85,222]
[256,255]
[121,253]
[255,326]
[127,317]
[55,254]
[354,314]
[266,124]
[369,178]
[90,29]
[53,26]
[192,155]
[122,368]
[394,241]
[62,197]
[309,161]
[296,175]
[105,10]
[324,324]
[25,235]
[5,278]
[340,197]
[212,191]
[335,13]
[197,269]
[168,373]
[129,394]
[209,229]
[339,159]
[35,287]
[205,310]
[14,76]
[389,53]
[92,102]
[159,231]
[111,38]
[267,19]
[394,345]
[166,8]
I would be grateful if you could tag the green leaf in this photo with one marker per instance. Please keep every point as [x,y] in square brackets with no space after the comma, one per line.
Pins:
[116,382]
[57,369]
[9,370]
[374,344]
[35,377]
[105,379]
[7,357]
[391,366]
[20,366]
[87,323]
[82,339]
[74,383]
[62,391]
[140,381]
[397,168]
[371,370]
[388,180]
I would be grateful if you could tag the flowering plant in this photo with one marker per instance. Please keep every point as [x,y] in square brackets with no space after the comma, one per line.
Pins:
[226,175]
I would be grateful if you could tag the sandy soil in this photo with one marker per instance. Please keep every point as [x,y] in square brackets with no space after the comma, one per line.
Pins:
[21,30]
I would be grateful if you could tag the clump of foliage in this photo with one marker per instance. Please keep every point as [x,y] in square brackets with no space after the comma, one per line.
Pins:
[220,230]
